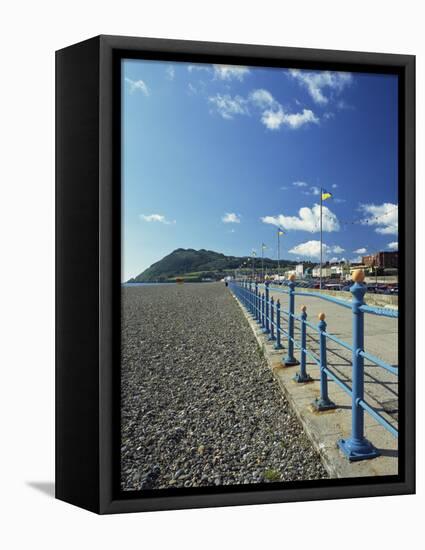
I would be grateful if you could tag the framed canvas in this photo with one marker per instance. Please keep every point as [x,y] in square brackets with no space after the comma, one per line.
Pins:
[235,279]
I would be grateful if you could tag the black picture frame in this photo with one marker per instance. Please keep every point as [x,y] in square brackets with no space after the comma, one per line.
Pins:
[88,270]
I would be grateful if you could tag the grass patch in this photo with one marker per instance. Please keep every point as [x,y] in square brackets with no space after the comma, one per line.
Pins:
[272,475]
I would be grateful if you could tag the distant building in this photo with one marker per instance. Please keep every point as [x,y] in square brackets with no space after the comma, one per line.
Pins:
[369,260]
[337,270]
[299,271]
[381,260]
[326,271]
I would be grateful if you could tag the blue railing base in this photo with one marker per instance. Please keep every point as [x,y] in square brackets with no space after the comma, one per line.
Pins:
[320,405]
[358,450]
[290,362]
[271,338]
[277,346]
[303,378]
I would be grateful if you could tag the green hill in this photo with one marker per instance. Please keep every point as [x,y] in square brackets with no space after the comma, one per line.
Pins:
[198,264]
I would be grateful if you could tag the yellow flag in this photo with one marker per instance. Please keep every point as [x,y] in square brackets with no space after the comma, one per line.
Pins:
[326,195]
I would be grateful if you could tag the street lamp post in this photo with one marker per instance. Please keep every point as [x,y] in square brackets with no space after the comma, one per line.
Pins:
[253,264]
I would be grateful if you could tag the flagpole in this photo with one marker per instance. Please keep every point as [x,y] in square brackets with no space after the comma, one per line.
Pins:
[278,254]
[321,237]
[262,261]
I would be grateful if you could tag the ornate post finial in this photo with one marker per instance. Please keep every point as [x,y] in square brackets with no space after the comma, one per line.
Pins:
[358,276]
[322,316]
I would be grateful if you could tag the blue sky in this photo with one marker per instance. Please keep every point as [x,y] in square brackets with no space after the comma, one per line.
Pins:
[218,156]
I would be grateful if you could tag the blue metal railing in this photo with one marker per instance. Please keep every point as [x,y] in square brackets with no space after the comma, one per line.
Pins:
[279,323]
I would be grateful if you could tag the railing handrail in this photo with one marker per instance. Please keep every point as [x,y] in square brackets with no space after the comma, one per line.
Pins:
[373,310]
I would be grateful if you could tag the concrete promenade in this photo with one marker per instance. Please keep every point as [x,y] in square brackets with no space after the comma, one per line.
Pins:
[381,387]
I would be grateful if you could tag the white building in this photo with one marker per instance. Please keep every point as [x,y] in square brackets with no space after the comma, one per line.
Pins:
[299,271]
[326,271]
[337,270]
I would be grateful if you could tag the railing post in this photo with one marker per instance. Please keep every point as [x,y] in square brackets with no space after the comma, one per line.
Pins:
[250,308]
[278,345]
[267,308]
[302,376]
[323,403]
[256,302]
[357,447]
[289,360]
[262,310]
[272,329]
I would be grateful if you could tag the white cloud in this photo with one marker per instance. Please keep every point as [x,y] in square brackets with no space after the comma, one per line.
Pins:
[311,249]
[231,217]
[230,72]
[296,120]
[393,245]
[299,184]
[308,219]
[284,188]
[357,260]
[156,218]
[334,186]
[317,81]
[383,216]
[274,118]
[199,67]
[334,260]
[360,251]
[314,190]
[221,72]
[137,85]
[262,98]
[228,106]
[192,89]
[170,71]
[273,115]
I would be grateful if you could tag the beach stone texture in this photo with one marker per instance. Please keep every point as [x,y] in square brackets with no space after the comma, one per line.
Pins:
[199,404]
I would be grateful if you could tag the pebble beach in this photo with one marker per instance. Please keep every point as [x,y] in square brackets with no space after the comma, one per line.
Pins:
[199,405]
